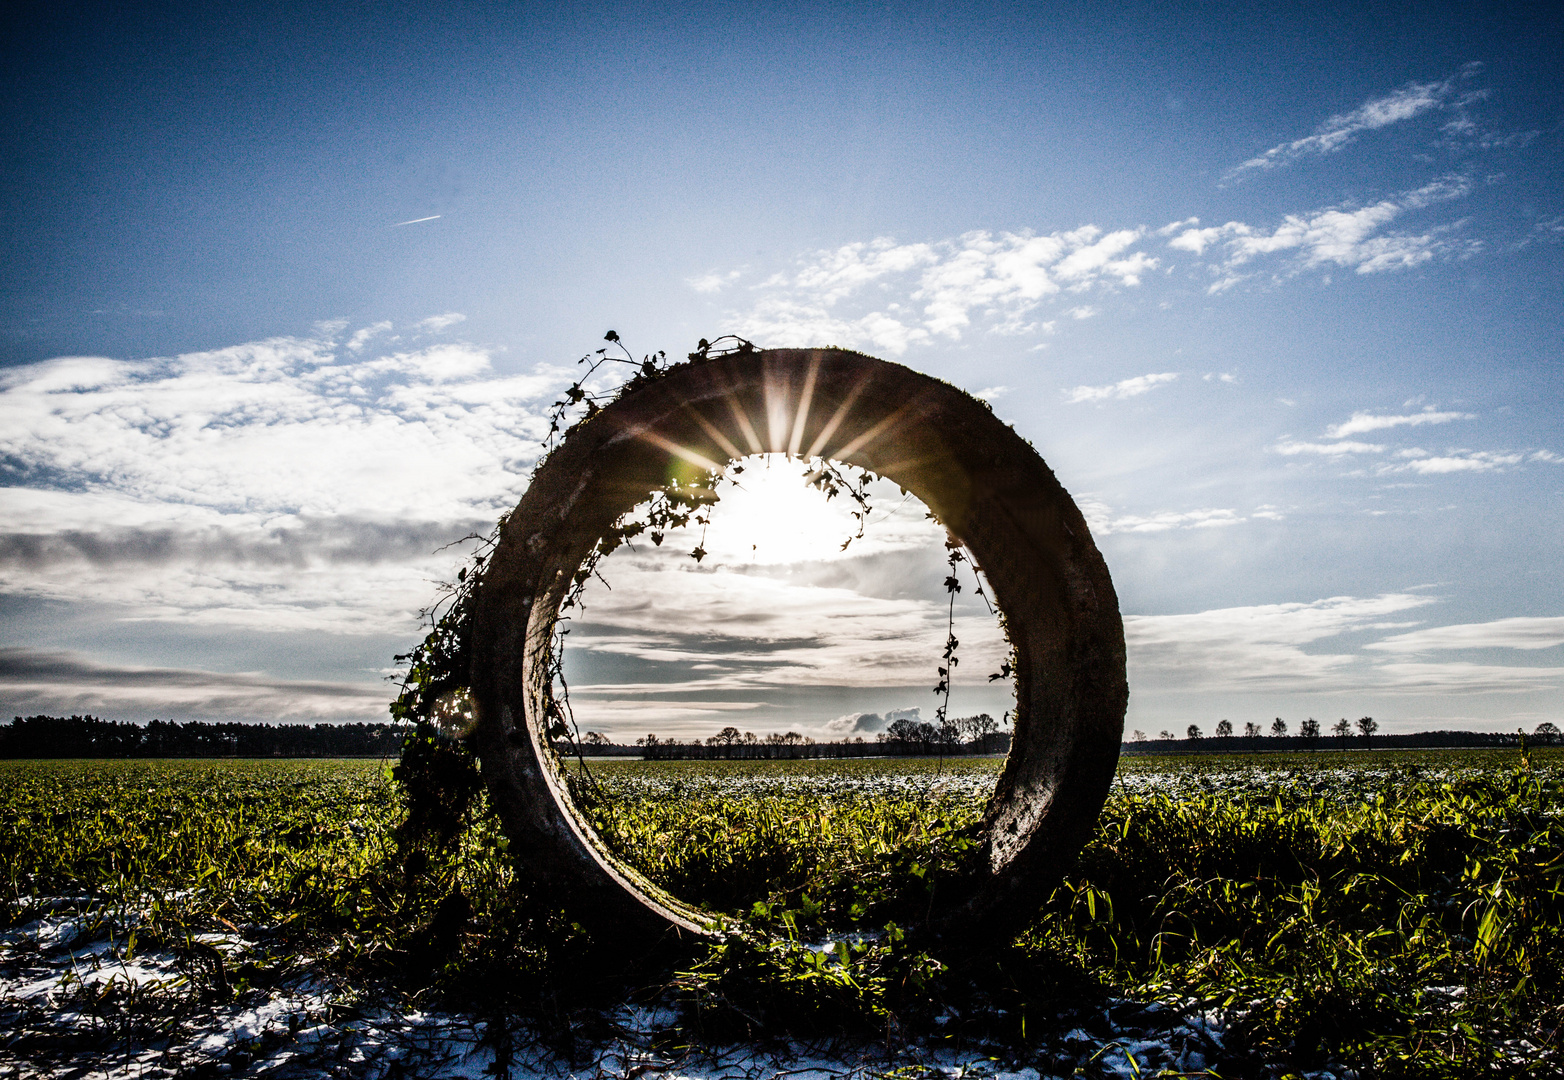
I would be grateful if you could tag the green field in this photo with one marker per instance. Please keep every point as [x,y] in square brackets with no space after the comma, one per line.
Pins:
[1401,912]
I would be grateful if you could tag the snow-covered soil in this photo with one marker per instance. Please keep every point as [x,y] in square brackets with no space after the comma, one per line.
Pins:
[82,996]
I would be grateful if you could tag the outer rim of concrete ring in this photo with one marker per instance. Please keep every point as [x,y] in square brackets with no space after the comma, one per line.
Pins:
[987,484]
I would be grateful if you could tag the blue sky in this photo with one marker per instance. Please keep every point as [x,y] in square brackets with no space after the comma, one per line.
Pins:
[1277,295]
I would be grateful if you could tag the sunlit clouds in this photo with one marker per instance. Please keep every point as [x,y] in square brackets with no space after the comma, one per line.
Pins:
[778,604]
[892,296]
[998,279]
[282,485]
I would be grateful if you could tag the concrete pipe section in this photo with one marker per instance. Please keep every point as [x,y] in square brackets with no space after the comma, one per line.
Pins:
[986,483]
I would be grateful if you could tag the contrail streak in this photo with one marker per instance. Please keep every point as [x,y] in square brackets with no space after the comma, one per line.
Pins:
[416,220]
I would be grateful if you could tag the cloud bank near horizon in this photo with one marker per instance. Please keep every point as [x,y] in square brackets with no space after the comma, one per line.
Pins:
[282,485]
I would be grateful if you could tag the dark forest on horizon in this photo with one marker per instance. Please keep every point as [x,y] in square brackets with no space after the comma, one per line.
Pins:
[91,737]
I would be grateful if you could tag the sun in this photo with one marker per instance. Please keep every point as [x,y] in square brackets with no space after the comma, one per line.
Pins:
[769,514]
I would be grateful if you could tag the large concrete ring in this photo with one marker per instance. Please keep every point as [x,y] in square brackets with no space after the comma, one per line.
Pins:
[986,483]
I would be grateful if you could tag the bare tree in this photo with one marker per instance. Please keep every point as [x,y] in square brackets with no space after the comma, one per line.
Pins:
[1224,728]
[975,729]
[1342,728]
[1278,728]
[1310,728]
[726,738]
[1251,730]
[1192,731]
[1166,735]
[1547,732]
[1367,725]
[1138,736]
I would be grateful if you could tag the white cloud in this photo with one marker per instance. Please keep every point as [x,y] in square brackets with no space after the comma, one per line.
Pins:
[1125,388]
[1351,237]
[777,321]
[1223,284]
[1178,226]
[1523,632]
[435,323]
[713,282]
[1399,105]
[1454,462]
[925,291]
[1334,449]
[1197,240]
[1363,422]
[363,335]
[1103,522]
[991,393]
[1192,519]
[860,723]
[1444,679]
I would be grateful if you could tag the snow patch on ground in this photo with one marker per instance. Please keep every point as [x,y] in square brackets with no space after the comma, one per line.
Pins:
[76,997]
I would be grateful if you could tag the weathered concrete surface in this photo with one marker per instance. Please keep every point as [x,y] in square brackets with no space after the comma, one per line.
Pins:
[984,481]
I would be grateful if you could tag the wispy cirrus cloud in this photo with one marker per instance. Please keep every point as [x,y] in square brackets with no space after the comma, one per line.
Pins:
[1409,459]
[1297,647]
[1124,388]
[1337,132]
[1334,449]
[1105,522]
[1522,632]
[1361,423]
[1264,646]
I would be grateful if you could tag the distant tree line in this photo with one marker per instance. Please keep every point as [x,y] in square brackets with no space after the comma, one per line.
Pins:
[90,737]
[87,736]
[1343,734]
[905,737]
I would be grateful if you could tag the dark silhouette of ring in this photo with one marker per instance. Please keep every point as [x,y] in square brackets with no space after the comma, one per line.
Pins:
[986,484]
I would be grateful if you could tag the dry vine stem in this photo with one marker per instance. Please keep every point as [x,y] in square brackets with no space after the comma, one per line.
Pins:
[985,483]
